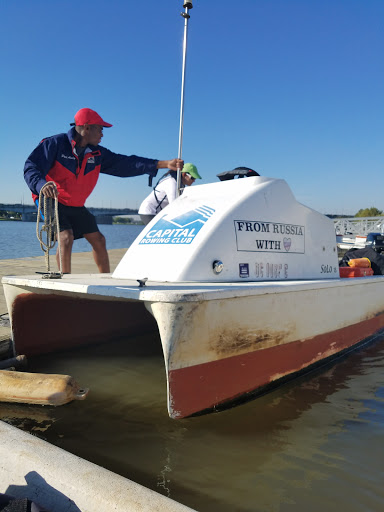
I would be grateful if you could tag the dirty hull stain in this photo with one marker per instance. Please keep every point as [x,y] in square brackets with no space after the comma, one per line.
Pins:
[204,386]
[230,342]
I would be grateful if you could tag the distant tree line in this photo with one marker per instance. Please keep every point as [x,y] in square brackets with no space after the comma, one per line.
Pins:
[125,220]
[9,215]
[363,212]
[369,212]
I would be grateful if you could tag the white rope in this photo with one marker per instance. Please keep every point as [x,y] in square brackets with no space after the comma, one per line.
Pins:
[51,229]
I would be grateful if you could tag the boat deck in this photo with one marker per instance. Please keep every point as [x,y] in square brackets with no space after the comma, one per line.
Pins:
[105,286]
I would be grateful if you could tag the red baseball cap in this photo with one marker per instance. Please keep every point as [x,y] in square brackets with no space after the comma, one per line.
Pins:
[89,116]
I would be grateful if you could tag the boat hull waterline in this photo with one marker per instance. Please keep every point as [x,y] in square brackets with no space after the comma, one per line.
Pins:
[220,342]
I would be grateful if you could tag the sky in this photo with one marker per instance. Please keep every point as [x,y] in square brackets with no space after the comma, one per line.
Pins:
[290,88]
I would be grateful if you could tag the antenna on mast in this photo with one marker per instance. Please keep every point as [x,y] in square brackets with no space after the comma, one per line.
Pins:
[187,6]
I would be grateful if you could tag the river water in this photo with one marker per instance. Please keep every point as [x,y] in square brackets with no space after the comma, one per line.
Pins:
[314,444]
[19,239]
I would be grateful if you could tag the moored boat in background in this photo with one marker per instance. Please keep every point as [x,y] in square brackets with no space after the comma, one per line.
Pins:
[352,232]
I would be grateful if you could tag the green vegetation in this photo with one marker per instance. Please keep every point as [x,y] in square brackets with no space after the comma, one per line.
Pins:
[369,212]
[125,220]
[8,215]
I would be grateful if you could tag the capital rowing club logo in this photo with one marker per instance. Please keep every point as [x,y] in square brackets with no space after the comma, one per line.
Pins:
[178,230]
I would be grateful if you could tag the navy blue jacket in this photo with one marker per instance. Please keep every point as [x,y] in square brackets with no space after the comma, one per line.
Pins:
[54,159]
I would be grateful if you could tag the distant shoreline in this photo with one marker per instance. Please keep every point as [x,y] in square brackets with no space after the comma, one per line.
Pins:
[113,223]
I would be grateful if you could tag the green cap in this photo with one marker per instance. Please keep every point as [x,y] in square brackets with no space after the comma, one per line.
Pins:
[192,170]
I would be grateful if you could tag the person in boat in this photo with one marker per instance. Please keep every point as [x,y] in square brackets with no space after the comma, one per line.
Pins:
[73,162]
[165,191]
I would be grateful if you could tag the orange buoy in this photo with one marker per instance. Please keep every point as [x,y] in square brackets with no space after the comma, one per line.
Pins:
[360,263]
[39,388]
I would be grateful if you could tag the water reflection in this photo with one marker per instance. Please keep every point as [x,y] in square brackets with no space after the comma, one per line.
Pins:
[314,443]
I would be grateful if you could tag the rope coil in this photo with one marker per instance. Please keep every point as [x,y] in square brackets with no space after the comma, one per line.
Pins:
[50,229]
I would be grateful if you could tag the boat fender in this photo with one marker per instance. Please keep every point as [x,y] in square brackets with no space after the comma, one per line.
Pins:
[39,388]
[360,262]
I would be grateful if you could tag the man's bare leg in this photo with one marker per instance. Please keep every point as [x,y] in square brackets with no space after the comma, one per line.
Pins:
[99,250]
[66,243]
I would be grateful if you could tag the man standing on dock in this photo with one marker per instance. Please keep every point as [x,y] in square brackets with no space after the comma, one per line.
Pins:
[67,166]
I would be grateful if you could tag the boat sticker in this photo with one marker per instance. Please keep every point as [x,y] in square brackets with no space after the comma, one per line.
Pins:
[243,269]
[263,236]
[328,269]
[266,270]
[181,229]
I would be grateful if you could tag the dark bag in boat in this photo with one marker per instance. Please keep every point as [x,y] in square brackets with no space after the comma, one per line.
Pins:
[376,259]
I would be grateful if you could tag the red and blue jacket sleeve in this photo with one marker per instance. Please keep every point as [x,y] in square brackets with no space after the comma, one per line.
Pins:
[39,163]
[125,166]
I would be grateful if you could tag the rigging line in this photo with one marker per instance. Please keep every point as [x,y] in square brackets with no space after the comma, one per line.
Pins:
[50,228]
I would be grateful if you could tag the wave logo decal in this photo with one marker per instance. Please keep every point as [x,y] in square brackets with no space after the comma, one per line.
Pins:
[178,230]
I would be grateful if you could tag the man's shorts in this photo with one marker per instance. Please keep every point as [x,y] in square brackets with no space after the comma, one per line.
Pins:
[76,218]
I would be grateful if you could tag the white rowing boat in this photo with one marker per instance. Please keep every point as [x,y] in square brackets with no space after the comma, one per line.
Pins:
[240,280]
